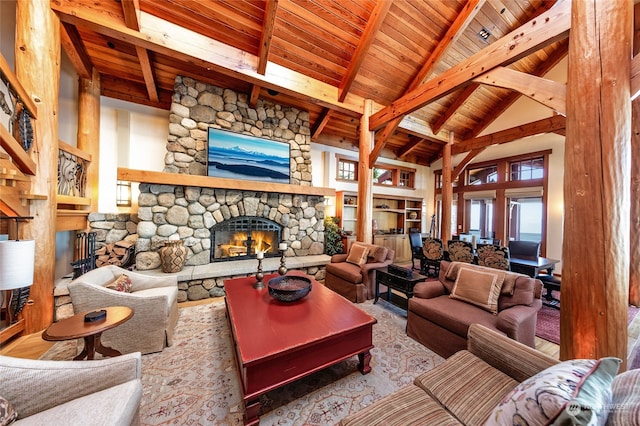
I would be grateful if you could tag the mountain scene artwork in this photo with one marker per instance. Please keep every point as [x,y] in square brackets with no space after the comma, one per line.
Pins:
[237,156]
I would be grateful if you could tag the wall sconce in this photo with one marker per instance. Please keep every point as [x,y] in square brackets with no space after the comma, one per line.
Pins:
[123,193]
[17,263]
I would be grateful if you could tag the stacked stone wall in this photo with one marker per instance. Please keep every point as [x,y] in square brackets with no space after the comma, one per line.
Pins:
[168,212]
[198,106]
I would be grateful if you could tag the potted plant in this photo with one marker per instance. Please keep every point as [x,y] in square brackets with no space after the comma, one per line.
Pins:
[332,236]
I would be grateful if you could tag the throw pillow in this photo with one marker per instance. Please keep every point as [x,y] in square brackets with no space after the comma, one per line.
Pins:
[480,288]
[7,413]
[122,283]
[377,254]
[358,254]
[625,404]
[574,392]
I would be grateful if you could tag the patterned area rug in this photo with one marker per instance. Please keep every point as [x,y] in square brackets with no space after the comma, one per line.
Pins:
[195,381]
[548,323]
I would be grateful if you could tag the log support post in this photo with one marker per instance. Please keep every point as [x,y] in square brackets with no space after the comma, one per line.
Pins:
[447,191]
[364,229]
[89,132]
[37,63]
[595,264]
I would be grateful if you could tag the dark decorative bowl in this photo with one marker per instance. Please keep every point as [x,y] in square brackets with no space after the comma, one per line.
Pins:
[289,288]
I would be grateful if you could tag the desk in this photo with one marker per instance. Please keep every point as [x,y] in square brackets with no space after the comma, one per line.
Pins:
[532,267]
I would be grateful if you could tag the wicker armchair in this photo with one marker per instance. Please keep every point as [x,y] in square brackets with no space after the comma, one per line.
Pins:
[153,299]
[99,392]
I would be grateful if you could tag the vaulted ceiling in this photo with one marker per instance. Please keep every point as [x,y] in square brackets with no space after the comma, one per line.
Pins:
[327,56]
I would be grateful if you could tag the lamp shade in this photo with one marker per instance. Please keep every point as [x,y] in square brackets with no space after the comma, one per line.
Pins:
[17,260]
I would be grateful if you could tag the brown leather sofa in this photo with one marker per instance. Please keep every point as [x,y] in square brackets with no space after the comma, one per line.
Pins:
[357,282]
[441,322]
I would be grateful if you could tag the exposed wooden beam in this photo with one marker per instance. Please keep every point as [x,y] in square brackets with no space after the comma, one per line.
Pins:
[466,160]
[320,123]
[74,47]
[173,40]
[457,103]
[469,90]
[548,28]
[464,18]
[545,125]
[373,25]
[547,92]
[405,149]
[131,9]
[270,9]
[253,97]
[554,58]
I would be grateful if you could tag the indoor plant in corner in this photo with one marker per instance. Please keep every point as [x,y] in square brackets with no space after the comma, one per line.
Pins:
[333,236]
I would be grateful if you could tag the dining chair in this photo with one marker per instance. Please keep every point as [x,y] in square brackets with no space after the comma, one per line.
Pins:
[433,253]
[524,249]
[415,240]
[460,251]
[493,256]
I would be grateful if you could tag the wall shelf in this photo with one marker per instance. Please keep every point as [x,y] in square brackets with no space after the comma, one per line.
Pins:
[143,176]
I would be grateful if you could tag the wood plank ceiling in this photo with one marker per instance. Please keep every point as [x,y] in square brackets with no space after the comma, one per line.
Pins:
[323,56]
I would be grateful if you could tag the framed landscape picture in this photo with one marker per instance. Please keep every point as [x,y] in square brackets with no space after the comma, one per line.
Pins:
[237,156]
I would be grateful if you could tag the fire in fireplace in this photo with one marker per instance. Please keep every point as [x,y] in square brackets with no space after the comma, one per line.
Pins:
[242,237]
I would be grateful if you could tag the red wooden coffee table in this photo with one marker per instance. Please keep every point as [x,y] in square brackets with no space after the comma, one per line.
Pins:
[277,343]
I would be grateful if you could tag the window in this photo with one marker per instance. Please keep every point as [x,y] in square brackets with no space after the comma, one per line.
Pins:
[483,175]
[525,219]
[439,181]
[347,169]
[383,176]
[527,169]
[406,179]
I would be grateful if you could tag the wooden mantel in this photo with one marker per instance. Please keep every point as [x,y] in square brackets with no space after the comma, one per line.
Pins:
[163,178]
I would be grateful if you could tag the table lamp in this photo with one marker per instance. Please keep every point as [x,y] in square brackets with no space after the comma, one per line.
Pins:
[17,258]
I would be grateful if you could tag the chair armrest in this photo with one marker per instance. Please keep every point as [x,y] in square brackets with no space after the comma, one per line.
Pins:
[428,289]
[339,258]
[33,386]
[513,358]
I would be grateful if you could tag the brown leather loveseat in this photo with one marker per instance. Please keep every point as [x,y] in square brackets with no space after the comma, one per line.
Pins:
[352,275]
[441,311]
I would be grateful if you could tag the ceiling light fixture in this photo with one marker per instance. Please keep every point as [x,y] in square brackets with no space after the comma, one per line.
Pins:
[484,34]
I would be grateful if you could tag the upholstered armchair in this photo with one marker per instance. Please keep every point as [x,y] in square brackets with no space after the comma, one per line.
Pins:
[495,257]
[154,300]
[352,275]
[433,252]
[460,251]
[99,392]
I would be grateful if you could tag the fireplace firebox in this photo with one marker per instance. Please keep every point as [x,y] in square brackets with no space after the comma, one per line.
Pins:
[242,237]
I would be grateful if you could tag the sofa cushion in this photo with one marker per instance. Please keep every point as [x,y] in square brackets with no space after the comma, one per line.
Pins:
[577,391]
[408,406]
[347,271]
[358,254]
[523,294]
[7,413]
[478,287]
[451,314]
[469,387]
[625,404]
[121,283]
[377,254]
[117,405]
[451,275]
